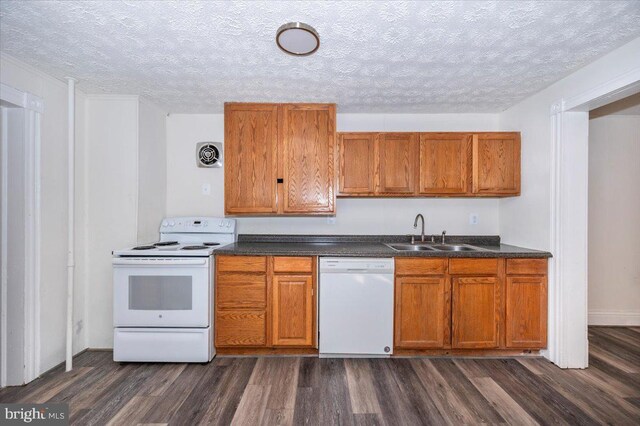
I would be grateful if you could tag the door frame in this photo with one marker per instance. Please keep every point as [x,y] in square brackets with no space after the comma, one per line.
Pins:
[568,345]
[33,107]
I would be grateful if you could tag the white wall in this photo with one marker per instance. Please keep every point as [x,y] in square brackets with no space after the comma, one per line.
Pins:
[614,228]
[354,216]
[14,120]
[125,193]
[53,207]
[111,173]
[152,170]
[525,220]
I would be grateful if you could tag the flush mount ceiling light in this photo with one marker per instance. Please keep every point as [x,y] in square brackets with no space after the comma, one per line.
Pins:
[298,39]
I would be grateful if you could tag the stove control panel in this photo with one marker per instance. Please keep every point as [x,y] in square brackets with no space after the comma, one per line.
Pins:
[206,225]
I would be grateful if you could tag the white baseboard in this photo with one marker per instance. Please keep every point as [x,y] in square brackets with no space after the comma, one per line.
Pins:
[614,318]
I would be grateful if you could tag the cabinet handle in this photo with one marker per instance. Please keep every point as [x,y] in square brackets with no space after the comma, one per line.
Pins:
[279,180]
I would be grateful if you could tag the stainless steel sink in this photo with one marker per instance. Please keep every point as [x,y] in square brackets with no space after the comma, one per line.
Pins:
[410,247]
[432,247]
[454,247]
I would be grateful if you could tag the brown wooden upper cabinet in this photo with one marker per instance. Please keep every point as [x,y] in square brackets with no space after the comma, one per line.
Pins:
[496,164]
[397,163]
[357,163]
[279,159]
[446,164]
[251,151]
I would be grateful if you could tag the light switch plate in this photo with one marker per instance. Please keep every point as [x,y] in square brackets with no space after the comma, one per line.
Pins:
[206,189]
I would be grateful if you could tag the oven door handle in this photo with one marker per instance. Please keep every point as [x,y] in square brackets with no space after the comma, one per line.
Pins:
[157,262]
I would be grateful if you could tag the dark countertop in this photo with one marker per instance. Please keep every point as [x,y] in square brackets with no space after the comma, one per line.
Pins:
[367,246]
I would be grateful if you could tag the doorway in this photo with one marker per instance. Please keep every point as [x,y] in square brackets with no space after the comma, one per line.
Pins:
[568,275]
[614,205]
[19,236]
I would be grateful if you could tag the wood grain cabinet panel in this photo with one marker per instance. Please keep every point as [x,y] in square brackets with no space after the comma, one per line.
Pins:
[250,146]
[467,266]
[241,263]
[308,155]
[241,328]
[397,163]
[292,264]
[292,310]
[526,311]
[445,163]
[475,312]
[420,266]
[422,312]
[241,291]
[356,153]
[496,164]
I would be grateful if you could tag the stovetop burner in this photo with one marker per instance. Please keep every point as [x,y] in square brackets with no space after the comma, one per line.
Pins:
[166,243]
[194,248]
[211,244]
[143,248]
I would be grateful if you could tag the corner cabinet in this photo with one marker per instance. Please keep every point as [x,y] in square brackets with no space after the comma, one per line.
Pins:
[265,304]
[443,164]
[279,159]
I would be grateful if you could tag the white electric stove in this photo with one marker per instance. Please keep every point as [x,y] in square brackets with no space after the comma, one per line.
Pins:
[163,292]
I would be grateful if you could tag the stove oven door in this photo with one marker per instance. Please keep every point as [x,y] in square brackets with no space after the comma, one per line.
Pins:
[157,292]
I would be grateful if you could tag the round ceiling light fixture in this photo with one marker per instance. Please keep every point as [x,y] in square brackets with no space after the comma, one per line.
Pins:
[298,39]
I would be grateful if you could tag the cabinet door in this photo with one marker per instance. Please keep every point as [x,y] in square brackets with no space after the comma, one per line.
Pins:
[308,145]
[422,314]
[250,152]
[357,163]
[445,163]
[397,163]
[526,313]
[293,310]
[475,313]
[496,164]
[241,328]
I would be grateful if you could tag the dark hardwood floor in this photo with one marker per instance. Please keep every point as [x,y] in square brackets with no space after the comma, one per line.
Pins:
[297,390]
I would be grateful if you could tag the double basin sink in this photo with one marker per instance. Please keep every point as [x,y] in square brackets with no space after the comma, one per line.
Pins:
[433,247]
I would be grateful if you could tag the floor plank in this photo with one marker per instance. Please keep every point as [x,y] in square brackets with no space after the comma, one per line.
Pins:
[314,391]
[361,389]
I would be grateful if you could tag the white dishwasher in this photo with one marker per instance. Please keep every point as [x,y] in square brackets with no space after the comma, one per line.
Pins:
[356,307]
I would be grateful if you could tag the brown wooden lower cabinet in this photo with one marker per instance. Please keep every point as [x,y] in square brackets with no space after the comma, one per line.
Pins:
[420,315]
[475,313]
[265,302]
[292,310]
[473,305]
[526,303]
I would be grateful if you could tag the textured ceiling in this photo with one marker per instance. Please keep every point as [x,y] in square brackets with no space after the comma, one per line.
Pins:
[374,56]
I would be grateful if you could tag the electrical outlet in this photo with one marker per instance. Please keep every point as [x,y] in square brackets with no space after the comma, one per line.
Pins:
[206,189]
[331,220]
[473,219]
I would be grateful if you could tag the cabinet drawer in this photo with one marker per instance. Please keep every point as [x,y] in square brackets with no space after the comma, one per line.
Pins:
[473,266]
[418,266]
[242,264]
[241,328]
[527,266]
[241,291]
[292,264]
